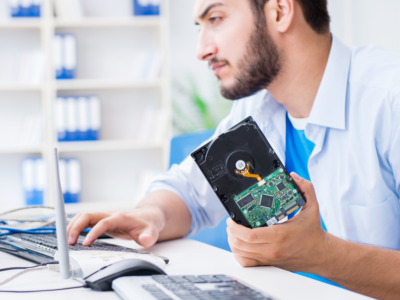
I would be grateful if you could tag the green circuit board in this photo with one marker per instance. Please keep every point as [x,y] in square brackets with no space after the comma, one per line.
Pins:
[269,201]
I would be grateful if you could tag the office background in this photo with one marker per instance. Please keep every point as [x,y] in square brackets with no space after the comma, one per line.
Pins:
[111,42]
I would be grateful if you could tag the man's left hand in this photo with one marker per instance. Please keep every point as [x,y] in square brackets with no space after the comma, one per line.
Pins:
[300,244]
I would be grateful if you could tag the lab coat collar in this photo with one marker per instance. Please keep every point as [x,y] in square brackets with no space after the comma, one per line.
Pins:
[329,109]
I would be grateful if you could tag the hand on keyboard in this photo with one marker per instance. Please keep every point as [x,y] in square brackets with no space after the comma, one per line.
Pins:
[138,225]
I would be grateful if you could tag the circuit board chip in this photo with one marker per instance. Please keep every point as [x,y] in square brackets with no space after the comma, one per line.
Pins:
[267,201]
[281,186]
[245,200]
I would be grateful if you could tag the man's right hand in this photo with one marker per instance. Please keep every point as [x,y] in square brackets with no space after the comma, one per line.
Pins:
[142,225]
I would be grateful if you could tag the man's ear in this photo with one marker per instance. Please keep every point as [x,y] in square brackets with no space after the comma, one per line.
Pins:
[280,14]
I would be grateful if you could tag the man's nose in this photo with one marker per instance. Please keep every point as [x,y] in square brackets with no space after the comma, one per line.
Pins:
[206,50]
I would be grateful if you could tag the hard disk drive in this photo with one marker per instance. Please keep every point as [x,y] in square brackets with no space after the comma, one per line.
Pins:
[248,177]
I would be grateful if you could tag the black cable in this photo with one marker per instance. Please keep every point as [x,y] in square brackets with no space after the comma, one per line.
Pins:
[41,291]
[24,268]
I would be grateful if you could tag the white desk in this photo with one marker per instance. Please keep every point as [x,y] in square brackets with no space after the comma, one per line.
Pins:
[186,257]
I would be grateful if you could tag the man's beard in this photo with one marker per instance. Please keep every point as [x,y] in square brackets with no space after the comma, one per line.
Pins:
[258,68]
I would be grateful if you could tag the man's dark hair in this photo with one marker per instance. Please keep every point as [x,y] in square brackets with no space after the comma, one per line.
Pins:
[315,12]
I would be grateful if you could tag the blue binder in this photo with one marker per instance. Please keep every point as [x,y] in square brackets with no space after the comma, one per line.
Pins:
[70,56]
[146,8]
[14,8]
[83,118]
[70,173]
[65,56]
[34,10]
[24,8]
[33,180]
[72,118]
[94,118]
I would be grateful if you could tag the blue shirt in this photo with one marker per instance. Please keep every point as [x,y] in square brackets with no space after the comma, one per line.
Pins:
[355,165]
[298,150]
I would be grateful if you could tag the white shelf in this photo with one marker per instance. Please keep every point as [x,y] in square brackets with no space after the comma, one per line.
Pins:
[87,84]
[98,146]
[93,22]
[106,49]
[21,23]
[15,86]
[21,150]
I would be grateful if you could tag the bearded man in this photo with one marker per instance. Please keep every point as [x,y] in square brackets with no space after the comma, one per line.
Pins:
[331,113]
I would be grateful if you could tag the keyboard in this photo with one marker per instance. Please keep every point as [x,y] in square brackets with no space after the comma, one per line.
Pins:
[204,287]
[41,248]
[50,241]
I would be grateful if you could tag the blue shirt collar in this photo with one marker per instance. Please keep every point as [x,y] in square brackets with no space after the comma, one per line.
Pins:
[330,103]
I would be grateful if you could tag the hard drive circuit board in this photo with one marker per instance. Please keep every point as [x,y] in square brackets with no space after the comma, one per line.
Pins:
[270,200]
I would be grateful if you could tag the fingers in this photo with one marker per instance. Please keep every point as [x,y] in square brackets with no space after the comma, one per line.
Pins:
[254,249]
[81,222]
[253,236]
[148,237]
[246,262]
[107,224]
[71,223]
[306,188]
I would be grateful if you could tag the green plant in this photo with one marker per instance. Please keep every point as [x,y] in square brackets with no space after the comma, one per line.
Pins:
[192,112]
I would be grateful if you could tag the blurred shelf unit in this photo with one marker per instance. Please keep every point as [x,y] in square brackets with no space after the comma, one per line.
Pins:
[111,45]
[21,150]
[98,146]
[13,86]
[93,22]
[89,84]
[20,24]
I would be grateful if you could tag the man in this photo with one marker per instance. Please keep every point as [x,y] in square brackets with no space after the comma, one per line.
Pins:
[331,113]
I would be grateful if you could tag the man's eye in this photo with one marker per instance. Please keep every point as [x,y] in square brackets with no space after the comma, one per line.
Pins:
[215,19]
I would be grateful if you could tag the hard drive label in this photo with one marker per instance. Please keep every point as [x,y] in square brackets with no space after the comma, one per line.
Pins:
[216,171]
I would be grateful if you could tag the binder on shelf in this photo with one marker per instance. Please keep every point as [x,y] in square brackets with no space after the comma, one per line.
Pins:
[70,56]
[61,122]
[74,181]
[58,55]
[40,182]
[35,8]
[71,179]
[83,119]
[65,56]
[28,178]
[146,7]
[14,8]
[147,64]
[33,180]
[78,118]
[95,118]
[62,168]
[25,8]
[72,118]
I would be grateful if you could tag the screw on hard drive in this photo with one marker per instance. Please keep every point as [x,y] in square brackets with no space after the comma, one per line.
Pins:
[271,151]
[215,189]
[232,216]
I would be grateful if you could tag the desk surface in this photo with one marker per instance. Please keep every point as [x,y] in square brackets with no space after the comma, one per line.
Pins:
[187,257]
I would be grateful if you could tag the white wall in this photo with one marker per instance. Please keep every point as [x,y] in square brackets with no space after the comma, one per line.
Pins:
[355,22]
[362,22]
